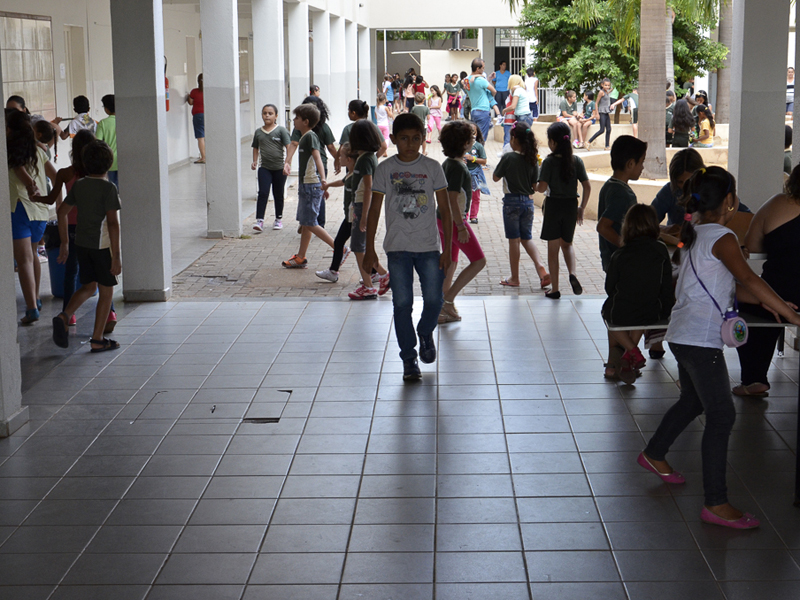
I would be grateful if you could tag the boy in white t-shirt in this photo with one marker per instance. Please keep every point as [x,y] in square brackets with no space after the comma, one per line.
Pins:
[82,120]
[410,182]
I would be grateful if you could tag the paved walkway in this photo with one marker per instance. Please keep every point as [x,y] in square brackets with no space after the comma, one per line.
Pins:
[250,267]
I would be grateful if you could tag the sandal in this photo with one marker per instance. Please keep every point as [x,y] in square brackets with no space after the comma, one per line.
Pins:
[449,313]
[61,331]
[105,345]
[508,283]
[753,390]
[577,289]
[31,316]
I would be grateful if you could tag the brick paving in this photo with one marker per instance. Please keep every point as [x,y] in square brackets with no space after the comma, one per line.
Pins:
[250,267]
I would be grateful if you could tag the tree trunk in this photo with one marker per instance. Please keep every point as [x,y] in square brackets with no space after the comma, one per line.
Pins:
[652,66]
[723,105]
[669,54]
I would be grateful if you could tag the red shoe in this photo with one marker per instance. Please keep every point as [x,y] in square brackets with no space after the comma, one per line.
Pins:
[111,323]
[383,284]
[73,321]
[363,293]
[635,358]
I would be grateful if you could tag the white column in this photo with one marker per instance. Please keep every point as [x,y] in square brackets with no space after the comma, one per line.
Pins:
[487,49]
[351,60]
[298,53]
[366,82]
[219,20]
[758,94]
[269,82]
[12,414]
[321,23]
[137,34]
[337,97]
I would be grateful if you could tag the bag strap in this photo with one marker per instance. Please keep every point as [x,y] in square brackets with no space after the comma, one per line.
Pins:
[735,303]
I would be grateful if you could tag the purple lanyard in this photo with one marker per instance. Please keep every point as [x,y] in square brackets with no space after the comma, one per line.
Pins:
[722,314]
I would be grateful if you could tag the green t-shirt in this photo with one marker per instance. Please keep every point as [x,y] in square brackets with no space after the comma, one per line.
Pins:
[450,89]
[616,197]
[422,112]
[571,109]
[787,162]
[669,110]
[551,173]
[365,165]
[478,151]
[325,138]
[271,146]
[107,132]
[94,198]
[308,168]
[345,137]
[519,176]
[348,196]
[588,109]
[458,180]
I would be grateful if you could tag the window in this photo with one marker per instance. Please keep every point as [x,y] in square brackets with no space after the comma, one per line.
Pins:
[26,46]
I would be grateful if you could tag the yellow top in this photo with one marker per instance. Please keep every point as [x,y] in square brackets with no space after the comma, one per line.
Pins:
[36,211]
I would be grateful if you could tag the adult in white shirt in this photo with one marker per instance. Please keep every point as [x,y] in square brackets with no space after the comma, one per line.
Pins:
[532,86]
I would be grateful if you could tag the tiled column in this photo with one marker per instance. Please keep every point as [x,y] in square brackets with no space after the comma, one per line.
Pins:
[269,80]
[321,23]
[337,95]
[366,81]
[220,25]
[298,53]
[351,60]
[758,94]
[12,414]
[137,34]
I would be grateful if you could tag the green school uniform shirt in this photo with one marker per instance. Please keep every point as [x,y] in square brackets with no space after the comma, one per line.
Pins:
[571,109]
[669,111]
[422,112]
[365,165]
[519,176]
[325,138]
[551,173]
[94,198]
[616,197]
[787,162]
[107,131]
[588,109]
[633,101]
[348,196]
[345,137]
[458,180]
[478,151]
[308,167]
[272,146]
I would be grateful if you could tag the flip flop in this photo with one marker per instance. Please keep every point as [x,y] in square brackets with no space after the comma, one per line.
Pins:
[508,283]
[107,344]
[60,331]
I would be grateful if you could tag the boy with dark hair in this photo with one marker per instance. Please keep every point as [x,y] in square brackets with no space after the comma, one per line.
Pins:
[311,178]
[423,112]
[616,196]
[107,132]
[409,183]
[96,244]
[82,120]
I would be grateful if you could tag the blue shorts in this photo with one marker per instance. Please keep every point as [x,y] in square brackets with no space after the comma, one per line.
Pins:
[22,227]
[518,216]
[199,123]
[534,106]
[358,238]
[309,201]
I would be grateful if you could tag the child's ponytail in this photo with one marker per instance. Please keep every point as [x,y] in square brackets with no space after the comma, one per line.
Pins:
[527,142]
[559,134]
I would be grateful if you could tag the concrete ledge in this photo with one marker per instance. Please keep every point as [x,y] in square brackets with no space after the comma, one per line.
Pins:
[147,295]
[14,422]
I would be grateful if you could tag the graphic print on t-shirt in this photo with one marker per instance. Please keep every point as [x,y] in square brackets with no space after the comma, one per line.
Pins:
[409,189]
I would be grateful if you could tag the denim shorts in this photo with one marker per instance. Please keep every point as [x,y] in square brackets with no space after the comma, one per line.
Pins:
[358,238]
[309,200]
[518,216]
[199,124]
[22,227]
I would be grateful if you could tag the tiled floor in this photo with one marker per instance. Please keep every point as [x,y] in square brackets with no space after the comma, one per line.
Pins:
[508,473]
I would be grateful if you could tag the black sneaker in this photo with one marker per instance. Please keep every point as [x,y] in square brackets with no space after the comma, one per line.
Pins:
[411,370]
[427,349]
[576,285]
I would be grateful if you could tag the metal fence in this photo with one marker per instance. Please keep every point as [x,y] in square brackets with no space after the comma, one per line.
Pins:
[549,99]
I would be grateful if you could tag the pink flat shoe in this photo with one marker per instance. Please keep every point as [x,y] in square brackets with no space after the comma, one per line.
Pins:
[746,521]
[673,477]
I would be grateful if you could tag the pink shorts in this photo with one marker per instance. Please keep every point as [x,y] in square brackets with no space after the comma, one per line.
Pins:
[472,249]
[385,131]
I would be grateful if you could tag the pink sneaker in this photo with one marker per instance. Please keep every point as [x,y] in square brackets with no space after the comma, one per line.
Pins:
[383,284]
[363,293]
[111,323]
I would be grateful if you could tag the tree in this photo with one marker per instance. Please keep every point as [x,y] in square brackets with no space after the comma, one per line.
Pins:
[652,66]
[723,106]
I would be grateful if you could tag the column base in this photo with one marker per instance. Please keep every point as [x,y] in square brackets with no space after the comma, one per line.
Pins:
[218,234]
[147,295]
[14,422]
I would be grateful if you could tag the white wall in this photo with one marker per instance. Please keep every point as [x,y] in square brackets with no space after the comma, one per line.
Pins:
[437,63]
[384,14]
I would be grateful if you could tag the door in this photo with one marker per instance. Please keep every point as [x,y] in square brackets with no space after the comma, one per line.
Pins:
[75,53]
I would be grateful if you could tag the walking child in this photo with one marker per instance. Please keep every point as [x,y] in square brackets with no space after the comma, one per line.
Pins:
[456,140]
[107,132]
[519,171]
[639,288]
[603,114]
[453,90]
[423,112]
[633,105]
[270,142]
[435,103]
[384,115]
[475,160]
[561,172]
[413,186]
[711,265]
[340,251]
[82,118]
[96,244]
[311,178]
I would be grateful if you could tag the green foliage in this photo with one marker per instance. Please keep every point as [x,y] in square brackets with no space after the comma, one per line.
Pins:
[693,52]
[433,38]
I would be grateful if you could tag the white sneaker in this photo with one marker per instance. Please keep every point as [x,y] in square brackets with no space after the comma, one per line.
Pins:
[375,277]
[259,225]
[345,254]
[328,275]
[277,224]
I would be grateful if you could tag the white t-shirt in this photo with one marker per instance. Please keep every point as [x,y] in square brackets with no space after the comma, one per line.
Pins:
[82,121]
[530,83]
[695,320]
[381,116]
[409,190]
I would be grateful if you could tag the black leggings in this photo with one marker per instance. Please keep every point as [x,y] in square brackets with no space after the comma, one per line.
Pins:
[605,125]
[338,244]
[266,179]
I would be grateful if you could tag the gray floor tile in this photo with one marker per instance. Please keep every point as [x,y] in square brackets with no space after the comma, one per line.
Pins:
[662,565]
[114,569]
[232,511]
[571,566]
[541,442]
[688,590]
[335,444]
[397,486]
[181,466]
[749,565]
[312,511]
[395,510]
[479,567]
[206,569]
[321,486]
[238,487]
[306,538]
[196,592]
[318,464]
[478,538]
[308,568]
[755,590]
[134,539]
[564,536]
[70,512]
[638,508]
[100,592]
[391,538]
[476,510]
[473,486]
[151,512]
[555,484]
[215,539]
[387,591]
[459,591]
[557,510]
[472,464]
[650,536]
[389,567]
[401,444]
[579,591]
[167,487]
[40,540]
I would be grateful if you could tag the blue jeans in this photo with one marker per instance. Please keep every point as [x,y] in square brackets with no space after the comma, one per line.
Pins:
[483,119]
[431,277]
[113,177]
[705,388]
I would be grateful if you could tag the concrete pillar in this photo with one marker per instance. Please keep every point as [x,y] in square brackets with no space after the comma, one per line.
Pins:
[367,86]
[12,414]
[796,115]
[487,49]
[376,71]
[219,20]
[137,34]
[298,53]
[337,98]
[351,60]
[321,24]
[269,81]
[758,95]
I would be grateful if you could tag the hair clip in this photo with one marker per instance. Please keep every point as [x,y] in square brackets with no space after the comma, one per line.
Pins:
[702,170]
[566,137]
[680,244]
[514,126]
[687,217]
